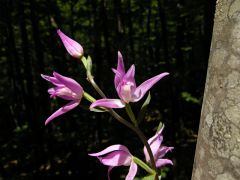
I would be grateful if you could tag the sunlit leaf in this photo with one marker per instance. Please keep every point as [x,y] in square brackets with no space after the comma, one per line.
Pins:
[143,108]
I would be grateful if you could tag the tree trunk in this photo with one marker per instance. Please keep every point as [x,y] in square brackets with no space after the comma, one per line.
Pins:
[218,146]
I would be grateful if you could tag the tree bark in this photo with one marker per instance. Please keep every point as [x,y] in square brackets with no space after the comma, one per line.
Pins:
[218,146]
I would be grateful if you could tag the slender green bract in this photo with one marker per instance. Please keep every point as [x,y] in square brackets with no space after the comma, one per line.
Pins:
[143,165]
[143,109]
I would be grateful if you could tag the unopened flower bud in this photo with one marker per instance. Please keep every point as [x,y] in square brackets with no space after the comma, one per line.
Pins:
[73,47]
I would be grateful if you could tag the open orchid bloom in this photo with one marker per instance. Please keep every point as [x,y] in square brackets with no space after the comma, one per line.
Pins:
[117,155]
[158,150]
[65,88]
[126,88]
[73,47]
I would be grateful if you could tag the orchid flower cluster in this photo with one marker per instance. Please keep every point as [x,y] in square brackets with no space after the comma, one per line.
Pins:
[128,92]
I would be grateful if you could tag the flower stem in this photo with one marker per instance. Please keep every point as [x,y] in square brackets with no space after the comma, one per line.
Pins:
[89,97]
[95,86]
[138,132]
[126,123]
[131,114]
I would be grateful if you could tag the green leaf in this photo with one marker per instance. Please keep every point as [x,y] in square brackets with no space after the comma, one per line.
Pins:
[99,110]
[143,165]
[189,98]
[187,48]
[143,108]
[20,129]
[159,126]
[151,177]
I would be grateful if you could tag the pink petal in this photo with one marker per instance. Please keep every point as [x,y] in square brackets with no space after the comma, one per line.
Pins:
[163,162]
[116,158]
[109,103]
[62,110]
[132,171]
[127,79]
[53,80]
[119,73]
[159,133]
[73,47]
[146,85]
[117,147]
[120,66]
[70,83]
[130,75]
[164,150]
[51,91]
[55,92]
[155,143]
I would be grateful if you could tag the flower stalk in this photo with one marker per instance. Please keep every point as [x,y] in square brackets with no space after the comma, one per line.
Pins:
[89,97]
[131,114]
[128,92]
[126,123]
[95,86]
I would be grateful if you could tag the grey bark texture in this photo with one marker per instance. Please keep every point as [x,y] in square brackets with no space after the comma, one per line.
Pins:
[218,146]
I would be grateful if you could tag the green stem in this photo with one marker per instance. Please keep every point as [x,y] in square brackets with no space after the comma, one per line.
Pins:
[138,132]
[89,97]
[126,123]
[131,114]
[95,86]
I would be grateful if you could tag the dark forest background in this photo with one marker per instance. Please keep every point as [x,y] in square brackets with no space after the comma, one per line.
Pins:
[155,35]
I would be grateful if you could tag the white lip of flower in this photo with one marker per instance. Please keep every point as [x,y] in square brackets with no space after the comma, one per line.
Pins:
[127,92]
[67,92]
[128,161]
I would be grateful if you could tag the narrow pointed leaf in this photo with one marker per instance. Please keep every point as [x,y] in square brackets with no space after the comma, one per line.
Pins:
[143,165]
[143,109]
[99,110]
[94,109]
[160,126]
[150,177]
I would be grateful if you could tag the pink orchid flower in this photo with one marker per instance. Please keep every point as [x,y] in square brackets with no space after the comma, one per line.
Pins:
[158,150]
[117,155]
[72,47]
[126,88]
[66,88]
